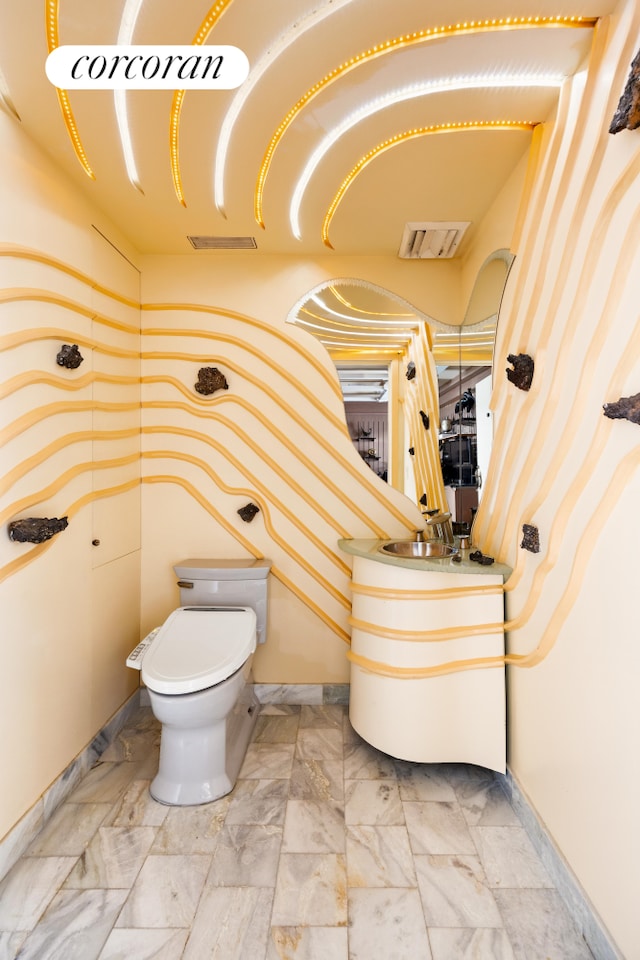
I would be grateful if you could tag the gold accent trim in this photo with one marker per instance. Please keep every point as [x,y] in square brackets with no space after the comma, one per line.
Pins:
[32,377]
[389,46]
[27,420]
[21,294]
[448,593]
[19,339]
[427,636]
[422,673]
[51,17]
[399,138]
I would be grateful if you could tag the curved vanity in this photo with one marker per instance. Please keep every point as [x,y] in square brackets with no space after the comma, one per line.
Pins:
[427,648]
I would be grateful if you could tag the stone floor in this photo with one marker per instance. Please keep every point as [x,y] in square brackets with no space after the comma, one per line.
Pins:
[325,850]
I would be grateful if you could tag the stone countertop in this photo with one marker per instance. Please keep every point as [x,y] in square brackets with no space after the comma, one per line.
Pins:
[370,550]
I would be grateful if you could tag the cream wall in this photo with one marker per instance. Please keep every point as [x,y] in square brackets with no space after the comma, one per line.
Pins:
[559,464]
[70,446]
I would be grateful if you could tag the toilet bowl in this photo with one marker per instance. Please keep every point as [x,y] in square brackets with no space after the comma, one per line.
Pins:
[197,669]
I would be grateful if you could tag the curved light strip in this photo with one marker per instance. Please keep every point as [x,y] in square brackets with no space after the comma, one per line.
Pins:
[389,46]
[51,15]
[488,81]
[201,36]
[125,37]
[379,313]
[367,318]
[352,333]
[290,36]
[402,138]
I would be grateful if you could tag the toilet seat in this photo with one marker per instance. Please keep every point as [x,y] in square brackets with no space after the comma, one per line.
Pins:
[198,647]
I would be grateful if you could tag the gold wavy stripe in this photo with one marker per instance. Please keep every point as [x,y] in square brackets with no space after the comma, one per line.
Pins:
[27,253]
[51,19]
[247,545]
[427,636]
[310,464]
[448,593]
[329,376]
[20,294]
[264,491]
[422,673]
[400,138]
[32,377]
[15,565]
[12,340]
[26,503]
[269,526]
[368,313]
[62,406]
[390,46]
[81,436]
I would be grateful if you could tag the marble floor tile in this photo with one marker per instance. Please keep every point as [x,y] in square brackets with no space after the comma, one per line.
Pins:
[311,889]
[191,830]
[317,780]
[246,856]
[268,760]
[509,858]
[113,858]
[258,801]
[319,743]
[308,943]
[144,945]
[137,808]
[70,830]
[421,782]
[104,783]
[538,926]
[363,762]
[387,925]
[28,889]
[379,857]
[270,729]
[455,893]
[77,924]
[231,923]
[373,802]
[470,944]
[438,828]
[10,944]
[166,892]
[327,715]
[485,804]
[314,826]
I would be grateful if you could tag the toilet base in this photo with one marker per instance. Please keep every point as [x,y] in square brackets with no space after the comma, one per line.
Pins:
[200,759]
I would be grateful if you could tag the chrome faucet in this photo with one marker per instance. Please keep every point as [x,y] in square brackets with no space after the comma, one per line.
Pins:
[440,524]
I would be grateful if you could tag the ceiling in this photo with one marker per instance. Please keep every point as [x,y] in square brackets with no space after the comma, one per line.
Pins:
[330,180]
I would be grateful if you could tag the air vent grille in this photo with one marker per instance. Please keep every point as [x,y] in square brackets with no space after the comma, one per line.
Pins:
[223,243]
[432,240]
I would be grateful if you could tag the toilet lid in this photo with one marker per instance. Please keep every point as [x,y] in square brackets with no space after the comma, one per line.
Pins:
[197,647]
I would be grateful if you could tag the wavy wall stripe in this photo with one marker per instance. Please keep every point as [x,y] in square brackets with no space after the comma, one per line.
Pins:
[421,673]
[34,295]
[61,407]
[32,377]
[450,593]
[426,636]
[12,340]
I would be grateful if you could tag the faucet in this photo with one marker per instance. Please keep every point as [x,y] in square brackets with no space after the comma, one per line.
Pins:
[440,523]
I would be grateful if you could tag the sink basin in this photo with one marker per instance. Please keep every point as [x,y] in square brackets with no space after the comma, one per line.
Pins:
[419,549]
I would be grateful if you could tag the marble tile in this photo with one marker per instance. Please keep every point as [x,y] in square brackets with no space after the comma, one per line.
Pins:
[105,782]
[191,830]
[280,709]
[539,925]
[308,943]
[288,693]
[113,858]
[373,802]
[280,729]
[486,804]
[267,760]
[70,830]
[469,944]
[387,923]
[436,827]
[311,889]
[258,801]
[336,693]
[137,808]
[10,944]
[317,780]
[246,856]
[20,837]
[166,892]
[77,924]
[424,781]
[331,716]
[319,743]
[364,762]
[230,922]
[28,889]
[133,745]
[313,826]
[379,857]
[66,783]
[509,858]
[455,893]
[144,945]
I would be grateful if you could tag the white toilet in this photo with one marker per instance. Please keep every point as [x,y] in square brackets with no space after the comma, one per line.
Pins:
[196,667]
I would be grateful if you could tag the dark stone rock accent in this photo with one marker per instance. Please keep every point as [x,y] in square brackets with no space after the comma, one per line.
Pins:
[209,380]
[626,408]
[412,451]
[425,419]
[627,115]
[248,512]
[530,538]
[36,529]
[411,370]
[481,558]
[69,356]
[522,374]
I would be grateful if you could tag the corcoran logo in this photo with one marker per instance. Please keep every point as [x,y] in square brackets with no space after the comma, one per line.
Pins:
[120,67]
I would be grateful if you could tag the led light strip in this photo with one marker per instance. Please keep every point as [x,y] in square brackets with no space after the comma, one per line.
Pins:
[51,14]
[415,91]
[352,306]
[411,321]
[201,36]
[125,37]
[389,46]
[466,127]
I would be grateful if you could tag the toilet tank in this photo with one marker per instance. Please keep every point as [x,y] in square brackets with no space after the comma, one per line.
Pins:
[226,583]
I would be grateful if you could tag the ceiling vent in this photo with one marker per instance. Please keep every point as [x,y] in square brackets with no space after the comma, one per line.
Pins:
[433,240]
[223,243]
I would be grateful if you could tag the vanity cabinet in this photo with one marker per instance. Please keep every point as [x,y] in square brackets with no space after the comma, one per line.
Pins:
[427,647]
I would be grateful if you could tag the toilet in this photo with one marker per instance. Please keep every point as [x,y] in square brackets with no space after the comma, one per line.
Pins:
[196,667]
